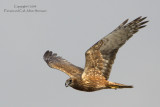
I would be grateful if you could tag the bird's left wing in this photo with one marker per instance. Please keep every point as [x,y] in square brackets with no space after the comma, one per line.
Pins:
[59,63]
[100,57]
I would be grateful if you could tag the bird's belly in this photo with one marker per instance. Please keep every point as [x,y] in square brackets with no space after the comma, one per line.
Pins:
[90,86]
[88,89]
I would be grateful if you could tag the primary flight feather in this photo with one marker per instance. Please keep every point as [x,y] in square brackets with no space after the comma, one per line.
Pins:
[99,60]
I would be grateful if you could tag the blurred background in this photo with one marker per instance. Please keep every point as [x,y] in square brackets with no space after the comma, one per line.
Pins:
[69,28]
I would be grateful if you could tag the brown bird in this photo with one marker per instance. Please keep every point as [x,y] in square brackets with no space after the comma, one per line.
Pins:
[99,60]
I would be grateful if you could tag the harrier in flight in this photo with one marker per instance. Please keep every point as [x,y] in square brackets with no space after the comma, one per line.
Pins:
[99,60]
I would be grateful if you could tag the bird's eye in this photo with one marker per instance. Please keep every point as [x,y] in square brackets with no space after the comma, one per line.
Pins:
[70,81]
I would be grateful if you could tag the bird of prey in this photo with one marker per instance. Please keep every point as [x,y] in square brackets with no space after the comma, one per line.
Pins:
[99,60]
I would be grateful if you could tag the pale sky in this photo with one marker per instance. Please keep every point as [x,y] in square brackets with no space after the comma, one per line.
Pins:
[69,28]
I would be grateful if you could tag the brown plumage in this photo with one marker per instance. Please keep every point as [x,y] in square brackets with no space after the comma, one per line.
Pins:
[99,60]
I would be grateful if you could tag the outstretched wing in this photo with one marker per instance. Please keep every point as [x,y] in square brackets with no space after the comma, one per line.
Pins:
[59,63]
[100,56]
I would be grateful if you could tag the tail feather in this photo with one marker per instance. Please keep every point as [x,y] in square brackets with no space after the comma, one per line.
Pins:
[114,85]
[126,86]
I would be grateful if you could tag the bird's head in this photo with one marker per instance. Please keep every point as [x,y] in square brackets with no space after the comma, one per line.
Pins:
[69,82]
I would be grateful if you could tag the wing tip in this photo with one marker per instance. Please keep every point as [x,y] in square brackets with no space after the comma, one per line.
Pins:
[137,24]
[48,55]
[142,22]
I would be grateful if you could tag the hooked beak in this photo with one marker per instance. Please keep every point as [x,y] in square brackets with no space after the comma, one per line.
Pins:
[66,84]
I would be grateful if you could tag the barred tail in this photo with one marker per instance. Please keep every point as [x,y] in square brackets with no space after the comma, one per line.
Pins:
[126,86]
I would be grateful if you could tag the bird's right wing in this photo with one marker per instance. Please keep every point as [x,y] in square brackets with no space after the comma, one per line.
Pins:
[100,57]
[59,63]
